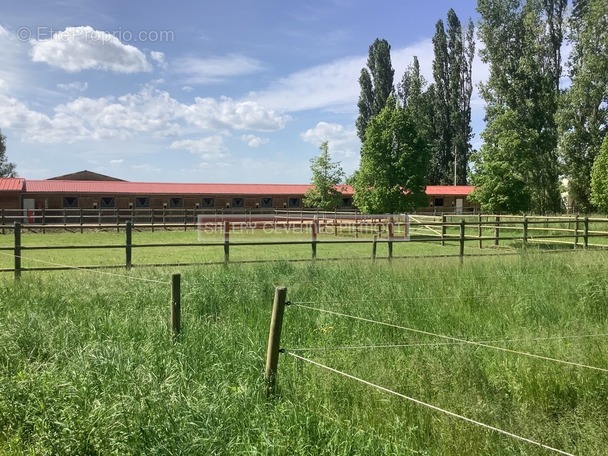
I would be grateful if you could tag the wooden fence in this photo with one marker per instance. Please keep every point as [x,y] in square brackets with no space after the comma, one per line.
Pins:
[485,231]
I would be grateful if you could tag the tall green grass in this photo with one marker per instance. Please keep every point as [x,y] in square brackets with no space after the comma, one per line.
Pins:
[87,365]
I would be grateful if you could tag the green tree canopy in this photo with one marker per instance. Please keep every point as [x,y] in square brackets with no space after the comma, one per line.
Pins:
[7,169]
[326,177]
[599,179]
[394,157]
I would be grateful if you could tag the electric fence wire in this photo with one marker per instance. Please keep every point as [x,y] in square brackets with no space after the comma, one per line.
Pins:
[424,404]
[455,339]
[443,344]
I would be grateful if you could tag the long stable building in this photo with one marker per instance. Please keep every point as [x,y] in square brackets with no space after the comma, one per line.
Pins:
[88,190]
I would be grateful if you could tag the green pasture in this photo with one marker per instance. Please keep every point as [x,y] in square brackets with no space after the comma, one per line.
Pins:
[87,365]
[110,251]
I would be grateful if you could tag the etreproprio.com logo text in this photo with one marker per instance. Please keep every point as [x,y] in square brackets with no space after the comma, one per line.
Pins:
[71,34]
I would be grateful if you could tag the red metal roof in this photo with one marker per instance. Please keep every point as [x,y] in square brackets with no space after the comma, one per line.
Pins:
[11,184]
[157,188]
[459,190]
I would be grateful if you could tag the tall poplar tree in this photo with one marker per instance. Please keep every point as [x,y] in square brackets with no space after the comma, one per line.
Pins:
[517,168]
[376,83]
[452,73]
[583,117]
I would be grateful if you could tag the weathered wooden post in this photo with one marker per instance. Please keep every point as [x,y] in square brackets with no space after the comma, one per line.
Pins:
[226,242]
[462,228]
[152,219]
[43,221]
[17,231]
[274,339]
[390,237]
[497,231]
[176,307]
[374,247]
[576,231]
[586,232]
[129,245]
[3,222]
[480,232]
[81,222]
[525,234]
[315,232]
[443,229]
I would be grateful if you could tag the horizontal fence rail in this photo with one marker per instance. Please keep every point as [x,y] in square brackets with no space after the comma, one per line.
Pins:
[346,228]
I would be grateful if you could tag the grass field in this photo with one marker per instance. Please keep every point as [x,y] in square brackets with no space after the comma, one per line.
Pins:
[87,365]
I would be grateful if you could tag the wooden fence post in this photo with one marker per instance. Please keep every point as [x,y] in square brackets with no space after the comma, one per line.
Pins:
[525,232]
[586,232]
[274,339]
[17,231]
[128,246]
[497,231]
[152,218]
[576,231]
[226,242]
[480,232]
[443,228]
[176,307]
[374,247]
[462,228]
[390,238]
[3,222]
[315,231]
[43,221]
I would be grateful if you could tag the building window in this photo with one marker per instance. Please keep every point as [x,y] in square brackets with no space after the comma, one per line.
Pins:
[70,201]
[347,202]
[176,202]
[238,202]
[438,202]
[106,202]
[294,202]
[142,202]
[208,202]
[266,202]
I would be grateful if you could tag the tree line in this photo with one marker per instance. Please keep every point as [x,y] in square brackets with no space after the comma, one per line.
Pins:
[539,131]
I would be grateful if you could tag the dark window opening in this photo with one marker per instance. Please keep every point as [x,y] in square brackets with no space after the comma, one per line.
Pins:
[142,202]
[294,202]
[176,202]
[238,202]
[70,201]
[438,202]
[347,202]
[266,202]
[208,202]
[106,202]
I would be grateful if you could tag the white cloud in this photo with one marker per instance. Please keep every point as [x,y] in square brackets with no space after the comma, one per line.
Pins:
[74,86]
[209,148]
[147,168]
[210,113]
[254,141]
[341,140]
[117,162]
[214,69]
[159,58]
[83,48]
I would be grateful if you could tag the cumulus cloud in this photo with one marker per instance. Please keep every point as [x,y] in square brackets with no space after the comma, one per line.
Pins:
[254,141]
[210,113]
[82,48]
[341,140]
[159,59]
[209,148]
[211,70]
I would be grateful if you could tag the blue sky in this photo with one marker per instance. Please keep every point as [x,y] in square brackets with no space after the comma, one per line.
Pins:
[191,91]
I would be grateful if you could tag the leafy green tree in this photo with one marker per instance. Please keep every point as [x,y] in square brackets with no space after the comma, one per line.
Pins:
[376,83]
[326,177]
[394,158]
[7,169]
[454,50]
[583,115]
[599,179]
[522,41]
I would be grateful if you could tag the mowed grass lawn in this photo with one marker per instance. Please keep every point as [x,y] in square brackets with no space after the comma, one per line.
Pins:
[87,365]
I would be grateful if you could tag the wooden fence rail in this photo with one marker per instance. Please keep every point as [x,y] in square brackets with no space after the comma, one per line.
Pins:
[487,233]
